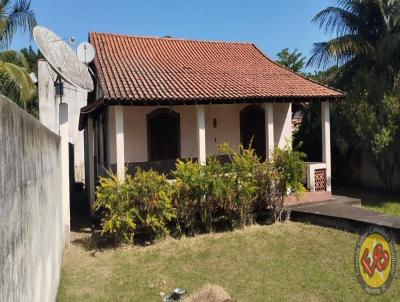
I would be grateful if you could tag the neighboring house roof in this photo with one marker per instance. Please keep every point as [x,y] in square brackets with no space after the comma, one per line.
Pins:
[143,69]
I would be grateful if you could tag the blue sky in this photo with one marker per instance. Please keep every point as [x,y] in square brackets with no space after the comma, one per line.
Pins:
[271,24]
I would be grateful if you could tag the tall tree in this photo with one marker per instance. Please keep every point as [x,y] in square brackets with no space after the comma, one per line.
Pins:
[365,57]
[367,36]
[293,60]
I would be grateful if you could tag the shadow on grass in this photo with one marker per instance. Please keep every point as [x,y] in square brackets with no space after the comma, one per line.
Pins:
[368,196]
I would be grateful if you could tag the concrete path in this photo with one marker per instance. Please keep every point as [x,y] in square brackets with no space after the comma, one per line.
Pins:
[345,213]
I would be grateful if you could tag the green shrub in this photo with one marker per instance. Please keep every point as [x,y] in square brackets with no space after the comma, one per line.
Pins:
[240,184]
[114,202]
[277,177]
[151,198]
[289,165]
[202,198]
[140,206]
[189,189]
[212,207]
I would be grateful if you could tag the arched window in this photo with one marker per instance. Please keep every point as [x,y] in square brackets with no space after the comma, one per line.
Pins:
[252,129]
[163,134]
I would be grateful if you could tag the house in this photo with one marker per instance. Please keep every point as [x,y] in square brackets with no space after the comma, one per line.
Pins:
[158,99]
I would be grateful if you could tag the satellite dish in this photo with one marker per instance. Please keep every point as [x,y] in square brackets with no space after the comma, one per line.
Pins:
[62,58]
[85,52]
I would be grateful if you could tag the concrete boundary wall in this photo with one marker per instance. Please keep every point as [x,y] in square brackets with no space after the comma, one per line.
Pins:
[31,211]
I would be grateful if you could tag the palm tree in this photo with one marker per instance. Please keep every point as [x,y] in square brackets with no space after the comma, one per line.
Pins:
[15,81]
[367,35]
[14,16]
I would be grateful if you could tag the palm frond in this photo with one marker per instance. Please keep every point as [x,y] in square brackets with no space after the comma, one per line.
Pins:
[14,57]
[13,18]
[16,84]
[339,51]
[336,20]
[388,50]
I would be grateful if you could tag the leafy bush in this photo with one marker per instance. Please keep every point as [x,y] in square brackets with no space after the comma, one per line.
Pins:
[202,198]
[114,202]
[240,185]
[151,198]
[277,177]
[212,205]
[189,189]
[289,165]
[140,206]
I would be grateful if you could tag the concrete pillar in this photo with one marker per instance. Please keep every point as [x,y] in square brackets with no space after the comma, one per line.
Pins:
[119,139]
[64,134]
[48,104]
[91,182]
[326,143]
[269,131]
[283,124]
[201,135]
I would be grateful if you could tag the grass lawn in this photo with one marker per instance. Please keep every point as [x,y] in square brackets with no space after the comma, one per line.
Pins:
[284,262]
[381,202]
[385,207]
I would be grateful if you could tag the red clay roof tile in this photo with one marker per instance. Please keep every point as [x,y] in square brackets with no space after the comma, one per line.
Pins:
[141,69]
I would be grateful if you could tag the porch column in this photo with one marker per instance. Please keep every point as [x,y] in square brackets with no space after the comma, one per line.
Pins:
[91,180]
[201,135]
[283,125]
[119,139]
[64,134]
[326,142]
[269,131]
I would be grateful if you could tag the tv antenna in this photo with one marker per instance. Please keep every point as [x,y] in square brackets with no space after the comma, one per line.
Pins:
[64,61]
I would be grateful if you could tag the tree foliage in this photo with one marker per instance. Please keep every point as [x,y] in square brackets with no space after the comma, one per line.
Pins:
[294,60]
[15,81]
[367,34]
[363,60]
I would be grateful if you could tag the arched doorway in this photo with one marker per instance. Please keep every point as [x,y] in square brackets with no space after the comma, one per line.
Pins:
[252,129]
[163,135]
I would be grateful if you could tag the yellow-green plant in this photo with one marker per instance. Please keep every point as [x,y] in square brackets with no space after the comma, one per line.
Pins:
[240,185]
[113,200]
[189,189]
[139,206]
[276,177]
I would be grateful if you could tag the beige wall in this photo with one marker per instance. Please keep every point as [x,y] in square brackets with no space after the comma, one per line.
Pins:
[228,126]
[227,130]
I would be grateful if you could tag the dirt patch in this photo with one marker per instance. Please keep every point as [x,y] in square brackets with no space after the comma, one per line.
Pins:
[210,293]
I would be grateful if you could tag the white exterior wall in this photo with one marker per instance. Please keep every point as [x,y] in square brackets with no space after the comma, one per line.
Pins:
[49,113]
[227,130]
